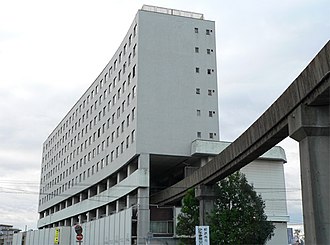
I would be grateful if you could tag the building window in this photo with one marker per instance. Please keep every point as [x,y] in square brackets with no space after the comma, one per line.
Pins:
[211,113]
[118,112]
[112,136]
[115,65]
[130,40]
[119,75]
[119,58]
[125,48]
[209,92]
[211,135]
[134,67]
[134,30]
[196,30]
[122,126]
[114,82]
[209,71]
[133,136]
[118,93]
[114,100]
[127,120]
[198,113]
[128,99]
[197,69]
[208,32]
[198,91]
[134,50]
[196,49]
[133,114]
[127,141]
[133,92]
[113,118]
[209,51]
[122,147]
[117,151]
[117,132]
[199,134]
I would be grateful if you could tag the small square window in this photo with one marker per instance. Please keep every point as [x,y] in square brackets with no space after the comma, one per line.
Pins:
[197,69]
[199,134]
[208,32]
[198,90]
[208,51]
[196,30]
[209,71]
[196,49]
[209,92]
[211,135]
[210,114]
[198,113]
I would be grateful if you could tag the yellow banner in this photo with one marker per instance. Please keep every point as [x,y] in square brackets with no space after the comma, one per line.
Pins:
[57,235]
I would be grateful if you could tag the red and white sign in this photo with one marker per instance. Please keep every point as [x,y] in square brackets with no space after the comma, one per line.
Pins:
[79,237]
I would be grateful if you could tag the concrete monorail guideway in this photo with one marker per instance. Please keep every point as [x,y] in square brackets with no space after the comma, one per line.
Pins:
[301,112]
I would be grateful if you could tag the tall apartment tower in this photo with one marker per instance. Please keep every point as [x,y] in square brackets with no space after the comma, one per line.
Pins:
[130,134]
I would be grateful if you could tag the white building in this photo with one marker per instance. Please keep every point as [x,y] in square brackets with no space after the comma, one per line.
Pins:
[133,132]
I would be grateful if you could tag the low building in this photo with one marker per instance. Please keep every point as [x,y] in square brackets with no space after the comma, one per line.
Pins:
[6,234]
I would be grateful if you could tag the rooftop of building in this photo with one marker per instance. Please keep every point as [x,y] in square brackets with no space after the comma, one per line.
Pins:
[170,11]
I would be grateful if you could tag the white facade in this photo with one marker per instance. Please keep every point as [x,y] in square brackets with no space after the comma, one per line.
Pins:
[134,130]
[157,94]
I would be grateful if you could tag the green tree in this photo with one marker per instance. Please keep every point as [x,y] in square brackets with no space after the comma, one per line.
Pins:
[188,218]
[238,216]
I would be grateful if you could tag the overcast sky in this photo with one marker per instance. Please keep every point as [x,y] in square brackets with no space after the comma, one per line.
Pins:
[51,51]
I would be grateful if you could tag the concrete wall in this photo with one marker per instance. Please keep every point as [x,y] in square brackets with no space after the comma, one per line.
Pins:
[267,177]
[167,82]
[43,237]
[113,229]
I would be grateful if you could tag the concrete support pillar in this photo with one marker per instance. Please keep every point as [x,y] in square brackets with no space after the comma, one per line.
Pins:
[79,219]
[107,210]
[205,160]
[129,170]
[97,216]
[310,126]
[128,201]
[117,206]
[118,177]
[143,211]
[205,195]
[108,183]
